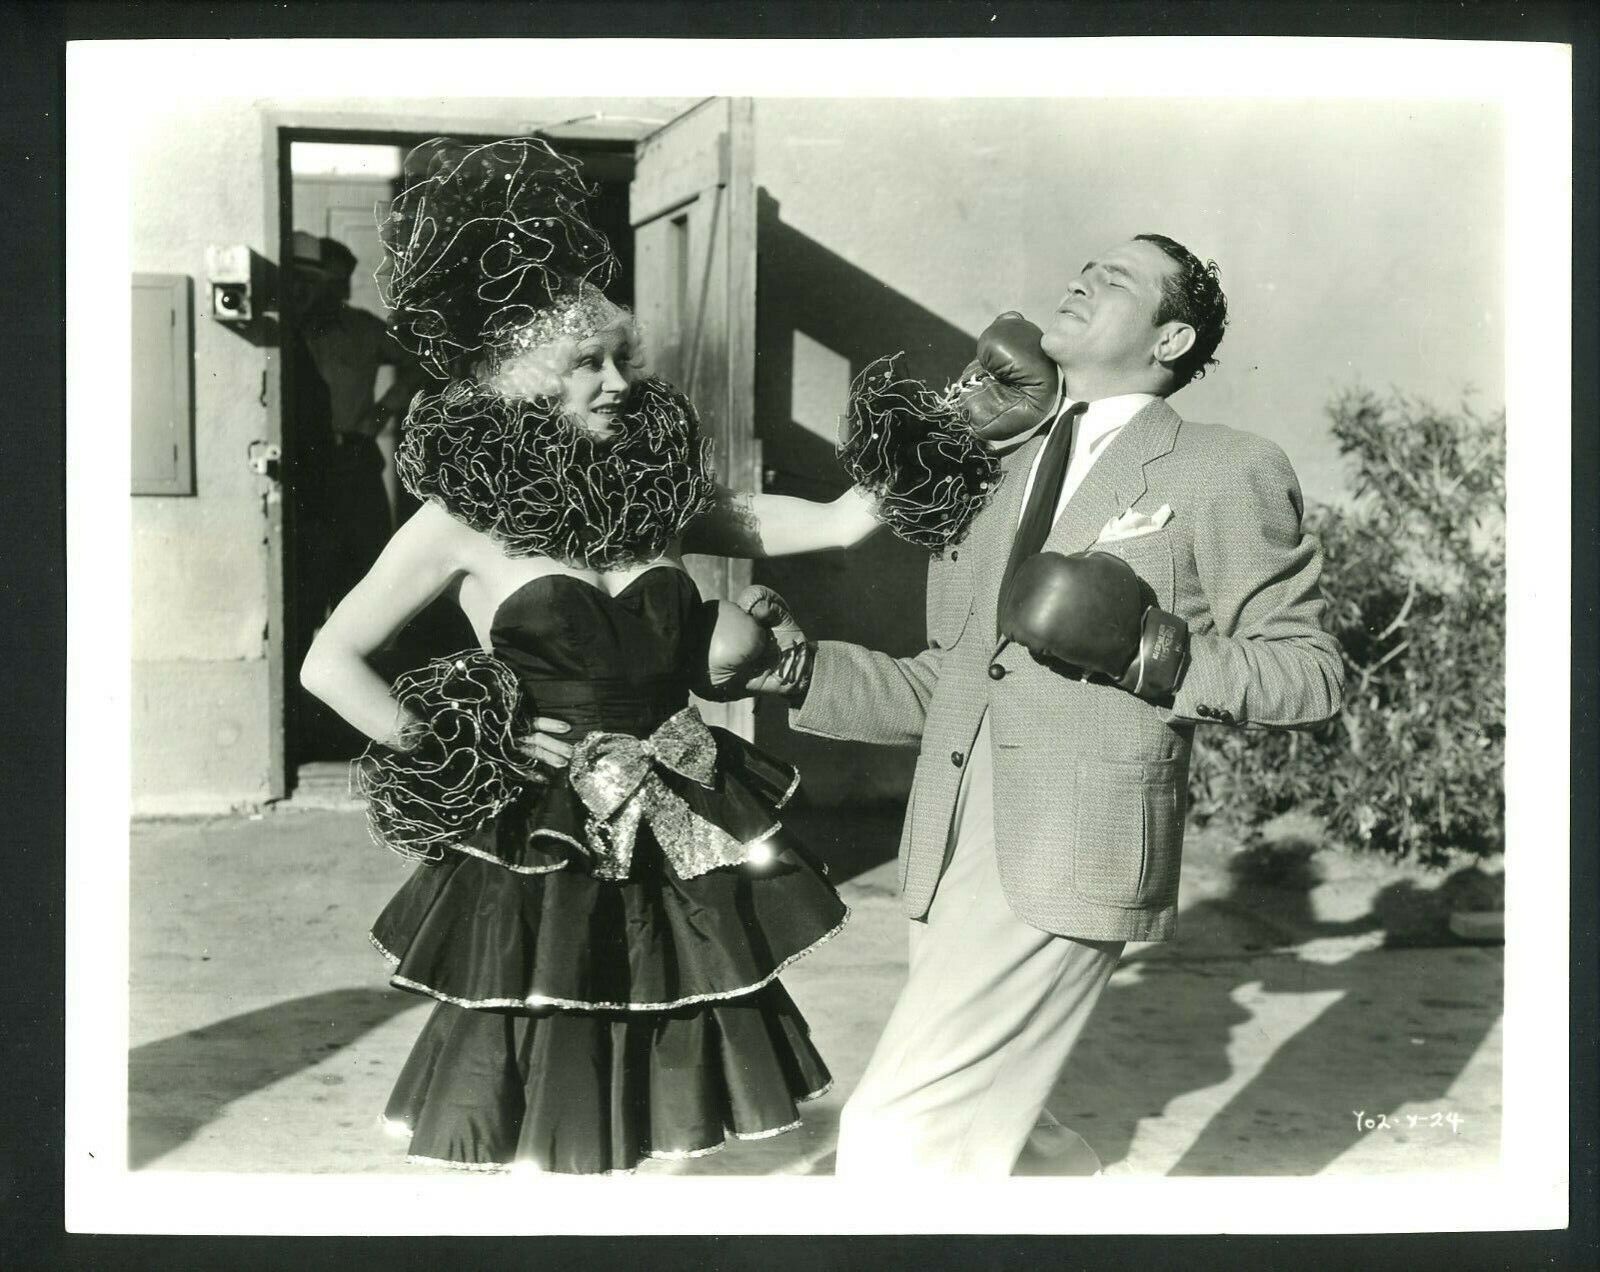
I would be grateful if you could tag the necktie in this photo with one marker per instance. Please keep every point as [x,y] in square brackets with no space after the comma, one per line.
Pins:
[1040,513]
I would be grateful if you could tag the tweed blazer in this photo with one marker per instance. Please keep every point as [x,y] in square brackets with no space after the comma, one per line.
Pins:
[1090,782]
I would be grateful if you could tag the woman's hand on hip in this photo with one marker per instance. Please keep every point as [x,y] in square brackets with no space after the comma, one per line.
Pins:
[544,747]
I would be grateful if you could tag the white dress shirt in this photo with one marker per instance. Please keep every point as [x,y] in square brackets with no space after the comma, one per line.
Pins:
[1098,425]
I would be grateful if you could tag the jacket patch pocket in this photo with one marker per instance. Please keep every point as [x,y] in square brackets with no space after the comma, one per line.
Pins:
[1150,555]
[1129,826]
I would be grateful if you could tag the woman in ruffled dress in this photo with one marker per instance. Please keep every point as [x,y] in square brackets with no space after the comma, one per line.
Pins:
[602,940]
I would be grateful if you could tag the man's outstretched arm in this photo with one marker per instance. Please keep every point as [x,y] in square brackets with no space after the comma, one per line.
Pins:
[862,695]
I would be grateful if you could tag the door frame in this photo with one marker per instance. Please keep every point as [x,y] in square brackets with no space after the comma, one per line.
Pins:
[280,129]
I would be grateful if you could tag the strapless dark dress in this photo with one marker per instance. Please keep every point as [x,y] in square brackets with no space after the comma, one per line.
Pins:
[585,1023]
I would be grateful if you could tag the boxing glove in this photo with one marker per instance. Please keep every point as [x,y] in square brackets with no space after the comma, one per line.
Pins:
[791,676]
[1013,381]
[1089,611]
[772,612]
[738,649]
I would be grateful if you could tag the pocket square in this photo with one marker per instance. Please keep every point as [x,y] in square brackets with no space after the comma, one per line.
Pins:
[1133,523]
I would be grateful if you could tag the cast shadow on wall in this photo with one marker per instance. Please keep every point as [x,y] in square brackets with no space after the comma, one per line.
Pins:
[820,320]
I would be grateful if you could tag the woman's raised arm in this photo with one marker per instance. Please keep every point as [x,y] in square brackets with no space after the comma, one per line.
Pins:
[741,524]
[419,562]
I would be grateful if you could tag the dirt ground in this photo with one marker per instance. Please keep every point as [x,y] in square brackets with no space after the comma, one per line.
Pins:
[1314,1015]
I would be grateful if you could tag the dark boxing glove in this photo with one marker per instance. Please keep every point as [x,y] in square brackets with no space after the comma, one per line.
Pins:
[773,612]
[1013,380]
[791,676]
[1089,611]
[738,650]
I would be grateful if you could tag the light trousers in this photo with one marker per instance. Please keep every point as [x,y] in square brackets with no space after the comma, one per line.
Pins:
[977,1039]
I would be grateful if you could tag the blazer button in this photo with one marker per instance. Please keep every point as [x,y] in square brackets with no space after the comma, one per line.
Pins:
[956,757]
[955,556]
[996,671]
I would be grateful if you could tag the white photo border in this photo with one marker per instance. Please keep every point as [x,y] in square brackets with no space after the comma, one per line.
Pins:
[1531,82]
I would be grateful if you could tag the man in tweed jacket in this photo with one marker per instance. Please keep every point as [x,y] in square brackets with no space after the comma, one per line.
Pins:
[1045,823]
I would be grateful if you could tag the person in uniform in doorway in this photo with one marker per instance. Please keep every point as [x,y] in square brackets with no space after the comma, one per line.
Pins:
[347,484]
[1134,575]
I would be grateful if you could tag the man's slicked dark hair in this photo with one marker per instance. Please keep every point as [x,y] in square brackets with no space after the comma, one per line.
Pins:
[1192,295]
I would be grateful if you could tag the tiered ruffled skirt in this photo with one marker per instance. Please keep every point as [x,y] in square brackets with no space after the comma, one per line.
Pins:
[585,1025]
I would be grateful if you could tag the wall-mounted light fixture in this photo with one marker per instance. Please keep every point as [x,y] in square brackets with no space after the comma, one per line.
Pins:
[240,284]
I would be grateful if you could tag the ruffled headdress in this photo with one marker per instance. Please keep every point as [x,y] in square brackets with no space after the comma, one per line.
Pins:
[489,251]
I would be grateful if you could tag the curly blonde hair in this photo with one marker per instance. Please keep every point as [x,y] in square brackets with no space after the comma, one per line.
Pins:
[539,371]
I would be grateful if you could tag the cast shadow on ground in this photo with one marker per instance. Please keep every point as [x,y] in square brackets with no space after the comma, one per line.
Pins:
[179,1084]
[1392,1036]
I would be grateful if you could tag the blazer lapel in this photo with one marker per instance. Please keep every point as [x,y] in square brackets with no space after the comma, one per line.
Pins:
[1014,466]
[1116,482]
[991,548]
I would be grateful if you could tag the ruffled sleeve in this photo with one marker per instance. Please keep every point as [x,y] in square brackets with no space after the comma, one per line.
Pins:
[912,450]
[463,764]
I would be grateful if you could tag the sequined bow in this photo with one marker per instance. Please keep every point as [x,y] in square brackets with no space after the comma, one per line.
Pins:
[615,776]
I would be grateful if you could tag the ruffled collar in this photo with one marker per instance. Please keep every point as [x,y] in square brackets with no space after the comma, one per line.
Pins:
[516,470]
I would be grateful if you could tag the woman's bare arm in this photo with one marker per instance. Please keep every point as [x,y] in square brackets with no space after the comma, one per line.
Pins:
[751,525]
[419,562]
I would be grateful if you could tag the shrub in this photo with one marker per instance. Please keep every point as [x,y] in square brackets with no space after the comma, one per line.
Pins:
[1415,576]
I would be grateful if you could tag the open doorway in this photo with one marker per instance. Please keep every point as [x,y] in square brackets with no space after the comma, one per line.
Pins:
[346,384]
